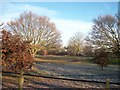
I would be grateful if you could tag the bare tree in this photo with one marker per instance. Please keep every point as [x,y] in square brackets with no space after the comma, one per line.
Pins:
[75,44]
[105,33]
[38,29]
[1,24]
[87,49]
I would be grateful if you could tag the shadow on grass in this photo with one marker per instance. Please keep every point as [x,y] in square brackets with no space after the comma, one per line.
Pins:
[10,81]
[10,75]
[40,84]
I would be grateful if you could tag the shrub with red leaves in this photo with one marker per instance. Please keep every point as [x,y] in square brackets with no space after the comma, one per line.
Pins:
[15,52]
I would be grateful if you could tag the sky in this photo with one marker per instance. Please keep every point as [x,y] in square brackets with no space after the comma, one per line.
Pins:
[69,17]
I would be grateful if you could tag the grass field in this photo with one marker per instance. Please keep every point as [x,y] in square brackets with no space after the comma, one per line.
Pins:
[72,59]
[62,59]
[74,67]
[67,67]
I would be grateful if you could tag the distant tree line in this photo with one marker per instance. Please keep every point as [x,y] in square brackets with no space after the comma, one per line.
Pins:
[105,34]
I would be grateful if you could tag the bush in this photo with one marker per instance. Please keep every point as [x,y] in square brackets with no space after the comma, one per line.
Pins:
[15,54]
[101,58]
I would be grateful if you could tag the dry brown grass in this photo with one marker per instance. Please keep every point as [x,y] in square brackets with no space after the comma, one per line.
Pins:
[60,59]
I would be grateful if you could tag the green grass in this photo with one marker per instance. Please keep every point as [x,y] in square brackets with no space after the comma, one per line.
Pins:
[114,61]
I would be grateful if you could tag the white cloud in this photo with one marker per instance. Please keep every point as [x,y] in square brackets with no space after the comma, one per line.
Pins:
[39,10]
[69,27]
[10,11]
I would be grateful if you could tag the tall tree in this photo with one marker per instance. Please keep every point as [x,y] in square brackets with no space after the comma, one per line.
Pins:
[38,29]
[75,44]
[105,33]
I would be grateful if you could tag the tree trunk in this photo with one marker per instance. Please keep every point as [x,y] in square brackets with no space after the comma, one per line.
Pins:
[33,52]
[107,84]
[21,80]
[45,52]
[33,55]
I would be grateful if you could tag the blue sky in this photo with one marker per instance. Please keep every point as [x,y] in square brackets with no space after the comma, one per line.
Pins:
[82,10]
[69,17]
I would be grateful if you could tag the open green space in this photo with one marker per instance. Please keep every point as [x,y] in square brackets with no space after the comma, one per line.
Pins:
[72,59]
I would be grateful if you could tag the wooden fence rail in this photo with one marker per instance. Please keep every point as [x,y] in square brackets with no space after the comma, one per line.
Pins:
[51,77]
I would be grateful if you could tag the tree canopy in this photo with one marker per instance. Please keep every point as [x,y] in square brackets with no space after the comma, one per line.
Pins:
[75,44]
[40,30]
[15,52]
[105,33]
